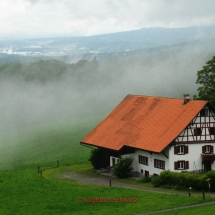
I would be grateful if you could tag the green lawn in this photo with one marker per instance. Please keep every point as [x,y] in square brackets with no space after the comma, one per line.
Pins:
[25,192]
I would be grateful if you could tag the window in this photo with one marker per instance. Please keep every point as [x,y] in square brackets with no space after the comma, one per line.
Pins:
[181,150]
[197,131]
[204,112]
[207,149]
[143,160]
[159,164]
[212,131]
[181,165]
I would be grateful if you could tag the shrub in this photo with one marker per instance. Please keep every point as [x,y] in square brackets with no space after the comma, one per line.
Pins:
[123,168]
[95,158]
[145,180]
[156,181]
[210,175]
[185,180]
[168,177]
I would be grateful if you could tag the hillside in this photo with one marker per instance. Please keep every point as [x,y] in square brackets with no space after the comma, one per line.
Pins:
[75,48]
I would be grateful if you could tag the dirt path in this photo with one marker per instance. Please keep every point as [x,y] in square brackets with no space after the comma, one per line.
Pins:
[104,180]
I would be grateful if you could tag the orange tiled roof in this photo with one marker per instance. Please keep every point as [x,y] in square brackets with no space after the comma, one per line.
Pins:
[144,122]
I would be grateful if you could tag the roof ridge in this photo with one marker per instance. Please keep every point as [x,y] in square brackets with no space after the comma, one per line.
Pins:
[162,97]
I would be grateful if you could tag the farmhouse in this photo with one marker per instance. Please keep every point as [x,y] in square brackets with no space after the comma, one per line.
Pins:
[158,133]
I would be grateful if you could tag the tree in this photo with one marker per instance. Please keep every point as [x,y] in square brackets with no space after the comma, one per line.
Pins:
[95,158]
[206,77]
[123,168]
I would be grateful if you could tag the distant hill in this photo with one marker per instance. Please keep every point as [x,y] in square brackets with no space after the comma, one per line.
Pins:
[75,47]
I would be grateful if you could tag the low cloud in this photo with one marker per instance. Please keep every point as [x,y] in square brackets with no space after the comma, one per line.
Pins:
[45,18]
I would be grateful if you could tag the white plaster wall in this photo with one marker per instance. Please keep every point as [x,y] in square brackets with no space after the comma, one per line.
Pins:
[194,157]
[150,167]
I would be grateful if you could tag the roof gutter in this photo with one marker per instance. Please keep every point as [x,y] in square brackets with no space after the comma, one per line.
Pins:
[87,145]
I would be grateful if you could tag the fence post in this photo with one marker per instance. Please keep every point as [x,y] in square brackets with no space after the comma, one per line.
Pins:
[203,194]
[190,191]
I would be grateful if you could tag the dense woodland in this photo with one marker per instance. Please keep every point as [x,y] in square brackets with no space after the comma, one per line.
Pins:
[46,70]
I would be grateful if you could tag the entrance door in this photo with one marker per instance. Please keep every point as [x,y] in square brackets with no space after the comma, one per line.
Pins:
[113,161]
[147,174]
[207,166]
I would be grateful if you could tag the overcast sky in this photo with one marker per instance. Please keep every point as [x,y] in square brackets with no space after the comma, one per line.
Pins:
[47,18]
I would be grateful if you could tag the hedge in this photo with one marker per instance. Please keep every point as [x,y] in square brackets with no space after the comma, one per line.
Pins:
[184,180]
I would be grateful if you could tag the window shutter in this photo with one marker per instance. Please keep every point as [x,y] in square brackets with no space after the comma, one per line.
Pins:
[175,150]
[176,165]
[186,150]
[212,149]
[203,149]
[186,164]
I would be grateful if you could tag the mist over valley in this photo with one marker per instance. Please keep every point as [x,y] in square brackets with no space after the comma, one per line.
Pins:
[51,90]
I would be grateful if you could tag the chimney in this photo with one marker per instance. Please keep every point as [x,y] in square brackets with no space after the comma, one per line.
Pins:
[186,98]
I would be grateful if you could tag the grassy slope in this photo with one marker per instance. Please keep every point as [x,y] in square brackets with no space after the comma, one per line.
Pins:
[25,192]
[47,144]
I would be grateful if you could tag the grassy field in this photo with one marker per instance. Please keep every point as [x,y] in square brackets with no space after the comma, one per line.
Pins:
[44,145]
[24,191]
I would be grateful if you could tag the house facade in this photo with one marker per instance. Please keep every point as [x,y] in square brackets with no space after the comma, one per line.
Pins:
[159,134]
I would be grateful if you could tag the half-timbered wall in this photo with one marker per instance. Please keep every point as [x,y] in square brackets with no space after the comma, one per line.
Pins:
[201,128]
[197,138]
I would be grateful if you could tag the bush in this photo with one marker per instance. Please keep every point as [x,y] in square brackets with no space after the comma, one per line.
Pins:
[210,175]
[168,177]
[123,168]
[145,180]
[95,158]
[156,181]
[185,180]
